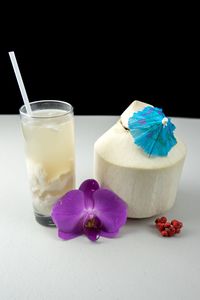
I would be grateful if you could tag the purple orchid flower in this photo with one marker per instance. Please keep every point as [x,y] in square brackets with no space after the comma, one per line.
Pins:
[91,210]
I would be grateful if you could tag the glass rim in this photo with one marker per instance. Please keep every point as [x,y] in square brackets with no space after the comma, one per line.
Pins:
[66,112]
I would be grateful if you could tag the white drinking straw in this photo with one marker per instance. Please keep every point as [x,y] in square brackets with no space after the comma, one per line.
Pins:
[20,82]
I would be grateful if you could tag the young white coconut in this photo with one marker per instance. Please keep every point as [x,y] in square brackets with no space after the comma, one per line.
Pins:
[148,184]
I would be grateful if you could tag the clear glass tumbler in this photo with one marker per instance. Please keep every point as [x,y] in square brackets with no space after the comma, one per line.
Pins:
[50,154]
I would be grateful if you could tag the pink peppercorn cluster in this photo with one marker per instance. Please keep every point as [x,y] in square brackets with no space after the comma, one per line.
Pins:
[166,228]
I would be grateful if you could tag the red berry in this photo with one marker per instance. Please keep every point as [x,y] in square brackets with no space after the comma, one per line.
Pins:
[157,220]
[171,231]
[164,233]
[160,226]
[177,224]
[163,220]
[180,224]
[168,229]
[167,225]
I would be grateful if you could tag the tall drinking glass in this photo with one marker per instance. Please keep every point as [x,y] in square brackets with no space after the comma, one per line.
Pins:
[49,144]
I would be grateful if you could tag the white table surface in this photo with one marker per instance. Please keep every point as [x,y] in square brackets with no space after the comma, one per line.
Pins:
[139,264]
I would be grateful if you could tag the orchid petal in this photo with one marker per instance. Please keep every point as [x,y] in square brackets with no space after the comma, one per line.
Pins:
[68,212]
[67,236]
[88,187]
[92,235]
[110,209]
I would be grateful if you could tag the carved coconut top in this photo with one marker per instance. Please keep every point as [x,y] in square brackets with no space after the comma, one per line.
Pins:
[116,146]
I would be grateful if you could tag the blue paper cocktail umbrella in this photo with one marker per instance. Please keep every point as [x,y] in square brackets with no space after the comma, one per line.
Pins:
[152,131]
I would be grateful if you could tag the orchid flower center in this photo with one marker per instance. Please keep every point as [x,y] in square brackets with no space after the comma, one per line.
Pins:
[92,222]
[92,227]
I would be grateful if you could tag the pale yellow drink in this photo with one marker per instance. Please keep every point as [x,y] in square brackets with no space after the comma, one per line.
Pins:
[49,141]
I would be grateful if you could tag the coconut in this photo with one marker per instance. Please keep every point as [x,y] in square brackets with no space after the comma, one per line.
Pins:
[148,184]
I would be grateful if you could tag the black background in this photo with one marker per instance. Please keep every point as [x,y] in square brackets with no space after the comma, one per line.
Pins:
[99,69]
